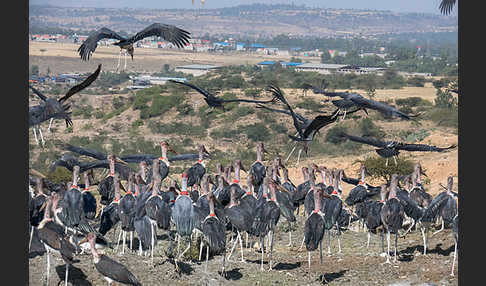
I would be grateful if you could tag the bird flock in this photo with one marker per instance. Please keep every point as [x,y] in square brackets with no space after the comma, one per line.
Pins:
[216,209]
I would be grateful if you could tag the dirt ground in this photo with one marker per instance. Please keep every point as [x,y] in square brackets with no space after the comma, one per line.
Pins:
[355,265]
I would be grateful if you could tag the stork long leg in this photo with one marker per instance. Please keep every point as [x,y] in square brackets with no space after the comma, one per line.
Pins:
[131,240]
[261,246]
[441,229]
[31,234]
[124,241]
[411,225]
[382,240]
[241,246]
[223,272]
[66,278]
[35,135]
[454,259]
[298,158]
[320,252]
[344,116]
[338,237]
[119,237]
[388,247]
[308,259]
[153,242]
[125,67]
[368,243]
[396,240]
[424,237]
[119,58]
[302,244]
[232,249]
[271,249]
[246,245]
[329,242]
[290,235]
[207,258]
[290,153]
[50,123]
[41,137]
[395,160]
[48,266]
[200,250]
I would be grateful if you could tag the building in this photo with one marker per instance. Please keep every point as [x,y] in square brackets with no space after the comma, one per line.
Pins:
[147,80]
[320,68]
[283,64]
[196,69]
[339,68]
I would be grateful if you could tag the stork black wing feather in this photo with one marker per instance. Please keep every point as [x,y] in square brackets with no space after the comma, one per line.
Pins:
[89,45]
[366,140]
[77,88]
[446,6]
[86,152]
[423,147]
[200,90]
[38,93]
[173,34]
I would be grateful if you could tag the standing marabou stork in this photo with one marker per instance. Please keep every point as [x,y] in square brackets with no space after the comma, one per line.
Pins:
[314,226]
[89,201]
[36,213]
[164,162]
[455,233]
[214,231]
[239,217]
[72,212]
[156,208]
[110,269]
[332,208]
[195,173]
[126,211]
[54,238]
[392,215]
[257,169]
[183,216]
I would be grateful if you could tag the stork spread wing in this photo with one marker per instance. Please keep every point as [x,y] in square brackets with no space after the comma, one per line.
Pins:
[86,152]
[446,6]
[200,90]
[89,45]
[170,33]
[38,93]
[379,106]
[277,93]
[77,88]
[319,122]
[366,140]
[423,147]
[301,118]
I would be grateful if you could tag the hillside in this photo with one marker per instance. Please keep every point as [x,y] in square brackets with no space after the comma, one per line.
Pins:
[257,20]
[226,134]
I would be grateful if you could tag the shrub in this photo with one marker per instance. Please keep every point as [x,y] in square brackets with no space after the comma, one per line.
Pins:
[412,102]
[333,134]
[368,128]
[375,166]
[243,111]
[60,175]
[256,131]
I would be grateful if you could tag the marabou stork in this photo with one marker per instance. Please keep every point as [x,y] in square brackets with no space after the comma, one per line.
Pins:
[50,108]
[392,215]
[257,169]
[54,238]
[110,269]
[217,102]
[126,211]
[389,149]
[89,201]
[173,34]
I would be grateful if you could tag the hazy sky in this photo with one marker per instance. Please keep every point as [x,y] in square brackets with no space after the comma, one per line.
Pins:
[418,6]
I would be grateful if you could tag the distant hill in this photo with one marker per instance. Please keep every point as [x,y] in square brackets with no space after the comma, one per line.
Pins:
[249,21]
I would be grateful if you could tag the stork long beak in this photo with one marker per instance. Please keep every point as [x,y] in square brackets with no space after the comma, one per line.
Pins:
[243,168]
[36,173]
[84,240]
[172,150]
[118,160]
